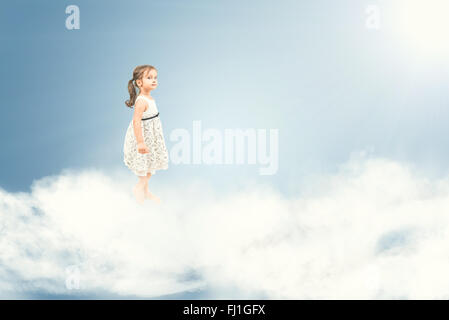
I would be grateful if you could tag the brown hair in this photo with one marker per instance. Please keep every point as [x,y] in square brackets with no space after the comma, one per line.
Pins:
[138,73]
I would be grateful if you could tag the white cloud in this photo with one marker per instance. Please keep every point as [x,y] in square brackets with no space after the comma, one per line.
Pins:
[376,229]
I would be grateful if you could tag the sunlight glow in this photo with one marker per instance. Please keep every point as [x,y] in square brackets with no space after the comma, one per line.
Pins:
[424,26]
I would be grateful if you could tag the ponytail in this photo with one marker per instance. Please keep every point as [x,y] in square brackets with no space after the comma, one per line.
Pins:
[132,94]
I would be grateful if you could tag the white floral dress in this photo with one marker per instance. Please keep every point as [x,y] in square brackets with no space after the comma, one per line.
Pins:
[153,136]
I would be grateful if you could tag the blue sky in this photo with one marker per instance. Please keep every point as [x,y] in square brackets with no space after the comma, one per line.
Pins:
[311,69]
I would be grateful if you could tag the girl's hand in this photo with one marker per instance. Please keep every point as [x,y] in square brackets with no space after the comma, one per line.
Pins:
[142,148]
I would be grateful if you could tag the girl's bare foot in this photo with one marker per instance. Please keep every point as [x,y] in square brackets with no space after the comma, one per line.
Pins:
[151,196]
[139,194]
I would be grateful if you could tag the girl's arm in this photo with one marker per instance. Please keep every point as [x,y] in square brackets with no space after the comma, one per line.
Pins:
[139,108]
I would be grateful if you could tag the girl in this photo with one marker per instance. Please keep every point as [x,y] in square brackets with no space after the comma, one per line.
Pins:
[144,148]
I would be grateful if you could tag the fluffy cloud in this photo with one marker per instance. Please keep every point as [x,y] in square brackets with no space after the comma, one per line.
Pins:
[374,230]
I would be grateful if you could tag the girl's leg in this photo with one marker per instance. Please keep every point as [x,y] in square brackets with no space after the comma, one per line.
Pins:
[148,194]
[142,182]
[139,189]
[146,181]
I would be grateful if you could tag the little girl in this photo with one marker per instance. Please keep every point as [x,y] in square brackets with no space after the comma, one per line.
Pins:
[144,148]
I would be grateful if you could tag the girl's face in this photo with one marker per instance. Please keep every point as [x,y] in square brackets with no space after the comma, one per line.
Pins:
[149,80]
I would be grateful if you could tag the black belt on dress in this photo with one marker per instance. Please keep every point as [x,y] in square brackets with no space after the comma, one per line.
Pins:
[151,117]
